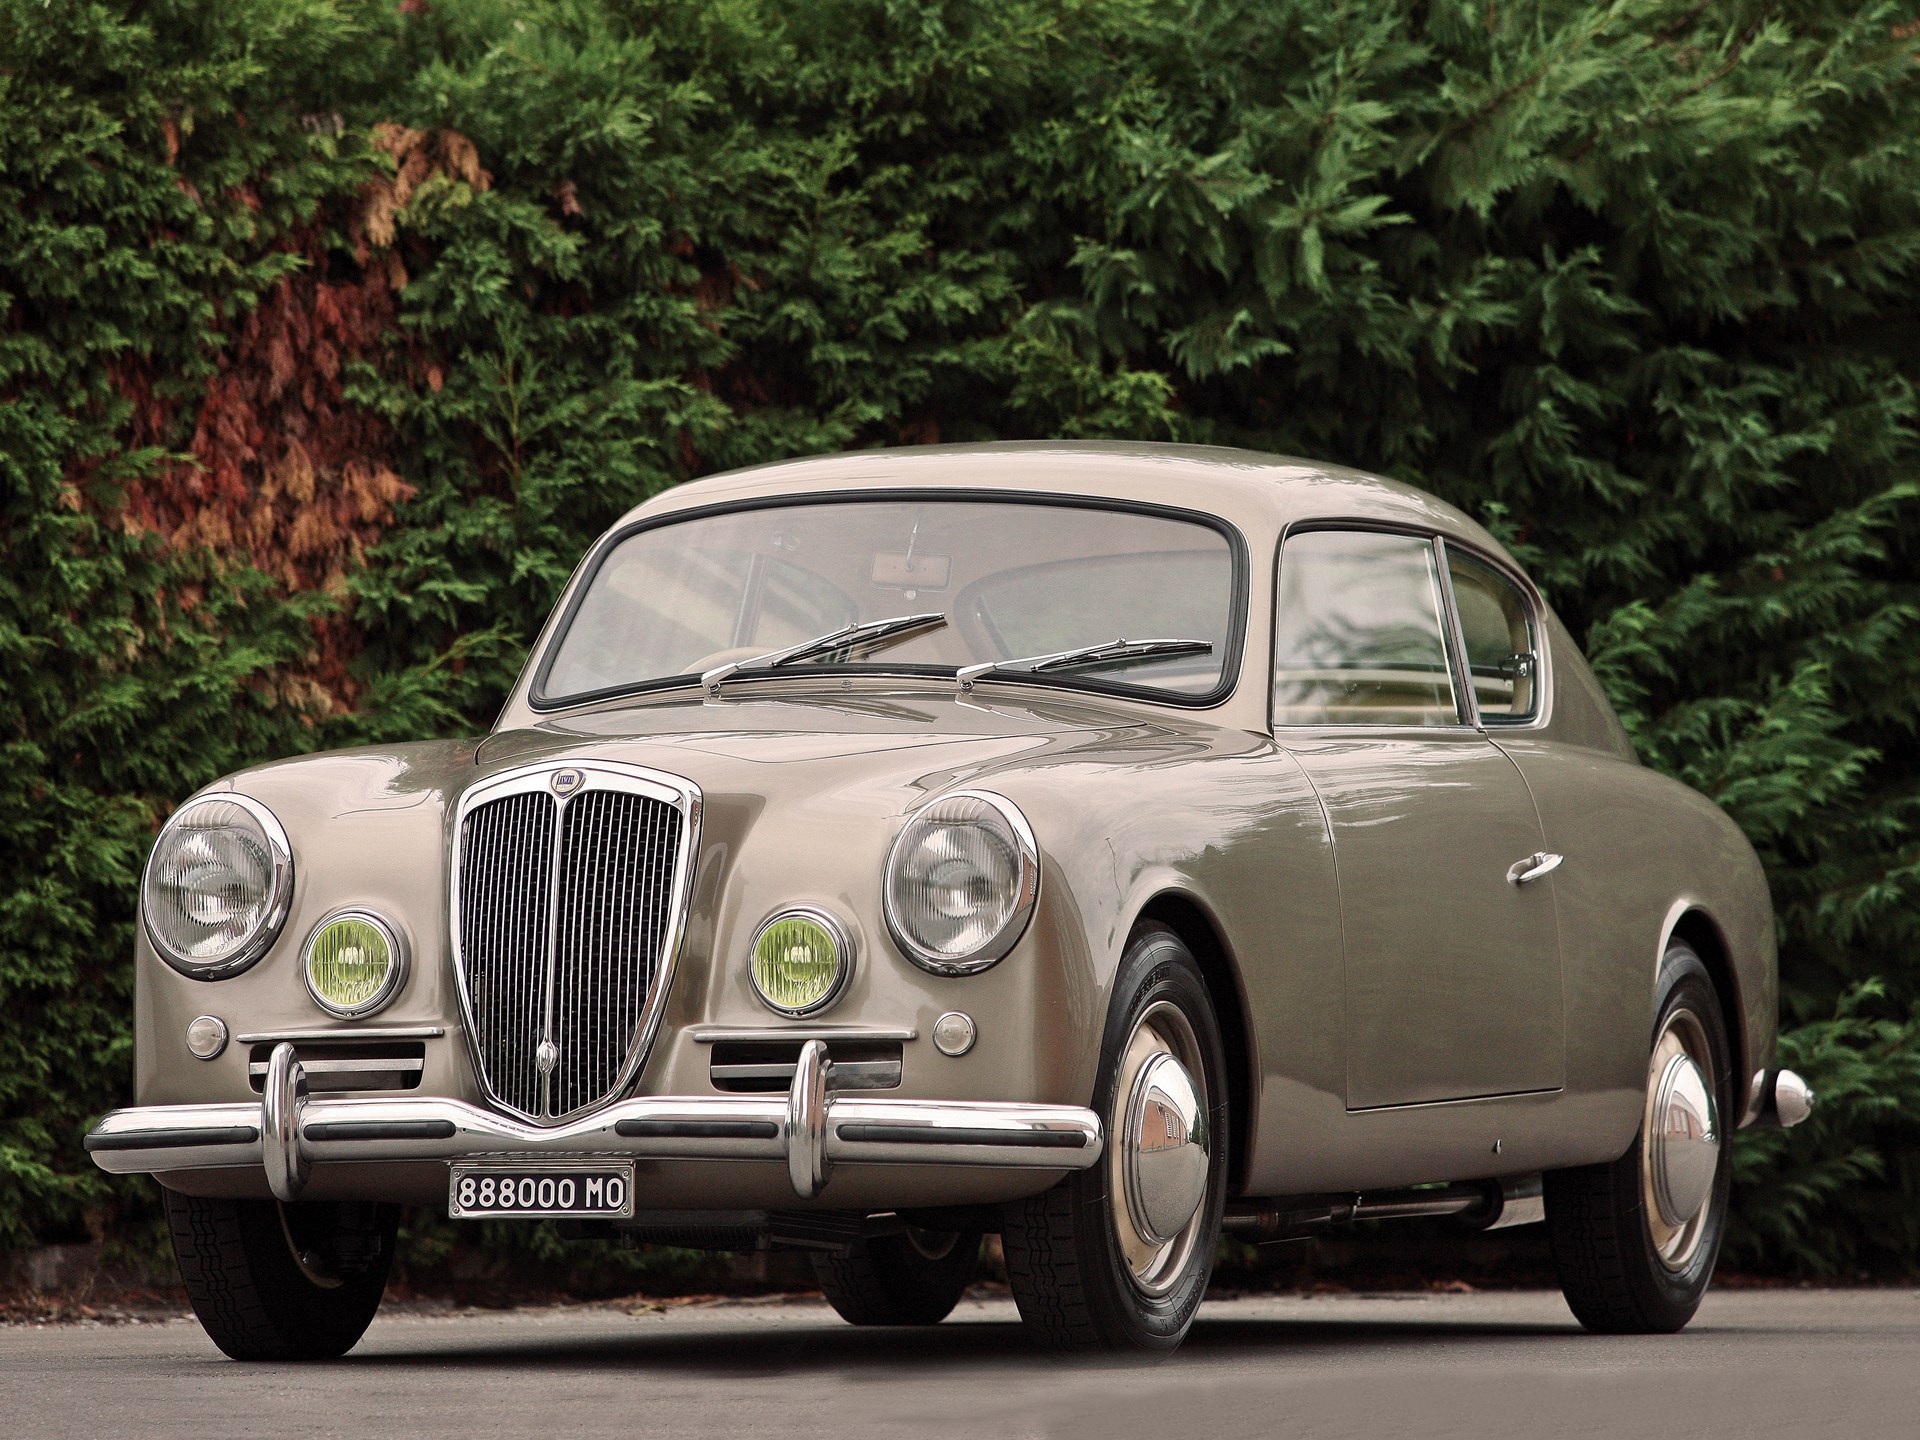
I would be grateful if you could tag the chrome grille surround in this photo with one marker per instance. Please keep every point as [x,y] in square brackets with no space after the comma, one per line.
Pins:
[568,905]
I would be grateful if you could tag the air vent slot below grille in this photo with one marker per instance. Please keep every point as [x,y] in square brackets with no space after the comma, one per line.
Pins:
[372,1065]
[767,1066]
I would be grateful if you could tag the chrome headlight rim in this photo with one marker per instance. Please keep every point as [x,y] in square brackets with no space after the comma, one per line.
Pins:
[1026,889]
[280,905]
[843,949]
[396,979]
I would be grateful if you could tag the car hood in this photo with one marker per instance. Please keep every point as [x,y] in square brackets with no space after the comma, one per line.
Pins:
[877,753]
[730,743]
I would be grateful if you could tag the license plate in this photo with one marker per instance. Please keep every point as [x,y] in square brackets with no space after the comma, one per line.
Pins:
[531,1192]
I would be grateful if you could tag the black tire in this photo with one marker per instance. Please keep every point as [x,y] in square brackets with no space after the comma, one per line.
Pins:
[1065,1265]
[282,1282]
[1599,1224]
[911,1279]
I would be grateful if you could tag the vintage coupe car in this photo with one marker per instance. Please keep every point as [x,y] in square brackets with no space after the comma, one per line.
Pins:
[1103,846]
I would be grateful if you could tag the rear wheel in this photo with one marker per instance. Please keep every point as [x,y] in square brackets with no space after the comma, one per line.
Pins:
[913,1278]
[282,1282]
[1118,1257]
[1635,1240]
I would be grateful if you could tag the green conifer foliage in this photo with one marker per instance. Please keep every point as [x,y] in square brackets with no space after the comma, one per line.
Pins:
[1633,282]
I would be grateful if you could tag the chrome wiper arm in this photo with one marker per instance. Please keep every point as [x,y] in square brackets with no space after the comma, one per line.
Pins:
[868,635]
[1108,655]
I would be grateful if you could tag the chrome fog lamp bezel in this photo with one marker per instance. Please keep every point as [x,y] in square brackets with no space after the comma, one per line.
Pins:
[396,974]
[280,905]
[1026,887]
[843,950]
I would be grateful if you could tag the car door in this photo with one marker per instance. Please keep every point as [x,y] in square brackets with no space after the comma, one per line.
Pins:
[1452,968]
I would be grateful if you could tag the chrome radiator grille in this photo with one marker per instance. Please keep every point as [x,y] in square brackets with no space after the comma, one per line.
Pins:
[570,884]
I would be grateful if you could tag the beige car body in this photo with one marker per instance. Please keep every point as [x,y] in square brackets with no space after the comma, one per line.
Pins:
[1344,1036]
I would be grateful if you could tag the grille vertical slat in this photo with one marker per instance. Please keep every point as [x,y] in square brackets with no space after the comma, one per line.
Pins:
[506,869]
[595,929]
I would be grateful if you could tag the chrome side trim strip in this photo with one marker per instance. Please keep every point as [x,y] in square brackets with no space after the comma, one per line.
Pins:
[315,1068]
[345,1035]
[713,1034]
[847,1075]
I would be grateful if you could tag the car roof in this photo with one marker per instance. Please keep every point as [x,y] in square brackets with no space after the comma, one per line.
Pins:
[1261,494]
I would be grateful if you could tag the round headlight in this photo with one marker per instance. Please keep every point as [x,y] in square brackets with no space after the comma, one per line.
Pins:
[355,963]
[800,961]
[218,886]
[961,882]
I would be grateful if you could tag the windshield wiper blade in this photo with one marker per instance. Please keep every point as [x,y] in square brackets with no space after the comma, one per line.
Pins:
[1108,655]
[864,635]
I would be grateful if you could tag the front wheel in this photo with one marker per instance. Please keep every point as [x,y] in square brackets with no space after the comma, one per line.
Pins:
[1635,1240]
[1118,1257]
[282,1282]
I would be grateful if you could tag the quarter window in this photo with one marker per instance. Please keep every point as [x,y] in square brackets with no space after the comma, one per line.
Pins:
[1359,638]
[1496,629]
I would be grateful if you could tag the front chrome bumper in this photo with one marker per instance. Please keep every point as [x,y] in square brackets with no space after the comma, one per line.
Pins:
[809,1129]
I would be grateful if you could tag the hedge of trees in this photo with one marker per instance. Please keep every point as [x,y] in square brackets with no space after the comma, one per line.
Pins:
[331,331]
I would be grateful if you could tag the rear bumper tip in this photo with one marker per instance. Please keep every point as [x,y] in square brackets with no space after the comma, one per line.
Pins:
[1781,1100]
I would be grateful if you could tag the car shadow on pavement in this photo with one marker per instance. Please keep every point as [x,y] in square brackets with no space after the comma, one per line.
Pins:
[750,1350]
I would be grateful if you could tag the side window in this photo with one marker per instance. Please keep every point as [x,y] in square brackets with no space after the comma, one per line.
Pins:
[1496,629]
[1358,637]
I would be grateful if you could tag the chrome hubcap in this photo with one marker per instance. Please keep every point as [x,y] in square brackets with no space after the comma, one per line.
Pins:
[1681,1148]
[1158,1169]
[1166,1144]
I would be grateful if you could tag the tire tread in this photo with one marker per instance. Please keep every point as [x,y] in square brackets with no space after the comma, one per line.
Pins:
[248,1293]
[887,1282]
[1613,1281]
[1062,1261]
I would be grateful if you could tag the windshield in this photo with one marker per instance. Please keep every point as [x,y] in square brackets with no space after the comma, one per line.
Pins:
[1012,579]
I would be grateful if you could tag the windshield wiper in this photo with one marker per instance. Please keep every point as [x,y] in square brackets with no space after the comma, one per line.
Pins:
[866,636]
[1108,655]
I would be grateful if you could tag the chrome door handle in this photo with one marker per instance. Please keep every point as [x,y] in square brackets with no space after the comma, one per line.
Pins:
[1533,867]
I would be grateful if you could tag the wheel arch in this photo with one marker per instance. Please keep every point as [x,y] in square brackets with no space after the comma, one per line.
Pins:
[1201,933]
[1691,923]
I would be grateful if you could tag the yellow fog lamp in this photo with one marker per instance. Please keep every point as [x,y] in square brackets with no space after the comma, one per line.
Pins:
[355,964]
[801,959]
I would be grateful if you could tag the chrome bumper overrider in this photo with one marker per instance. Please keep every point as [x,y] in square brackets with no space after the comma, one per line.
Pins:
[810,1130]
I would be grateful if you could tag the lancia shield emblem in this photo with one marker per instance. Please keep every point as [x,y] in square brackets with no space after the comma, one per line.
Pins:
[565,782]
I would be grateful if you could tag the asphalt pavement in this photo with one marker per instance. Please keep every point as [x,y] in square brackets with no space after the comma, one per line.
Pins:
[1789,1363]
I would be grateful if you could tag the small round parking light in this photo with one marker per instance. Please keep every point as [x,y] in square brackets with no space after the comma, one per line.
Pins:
[355,964]
[801,959]
[954,1033]
[206,1036]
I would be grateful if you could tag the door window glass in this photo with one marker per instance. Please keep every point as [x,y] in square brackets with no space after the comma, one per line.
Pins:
[1496,629]
[1359,638]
